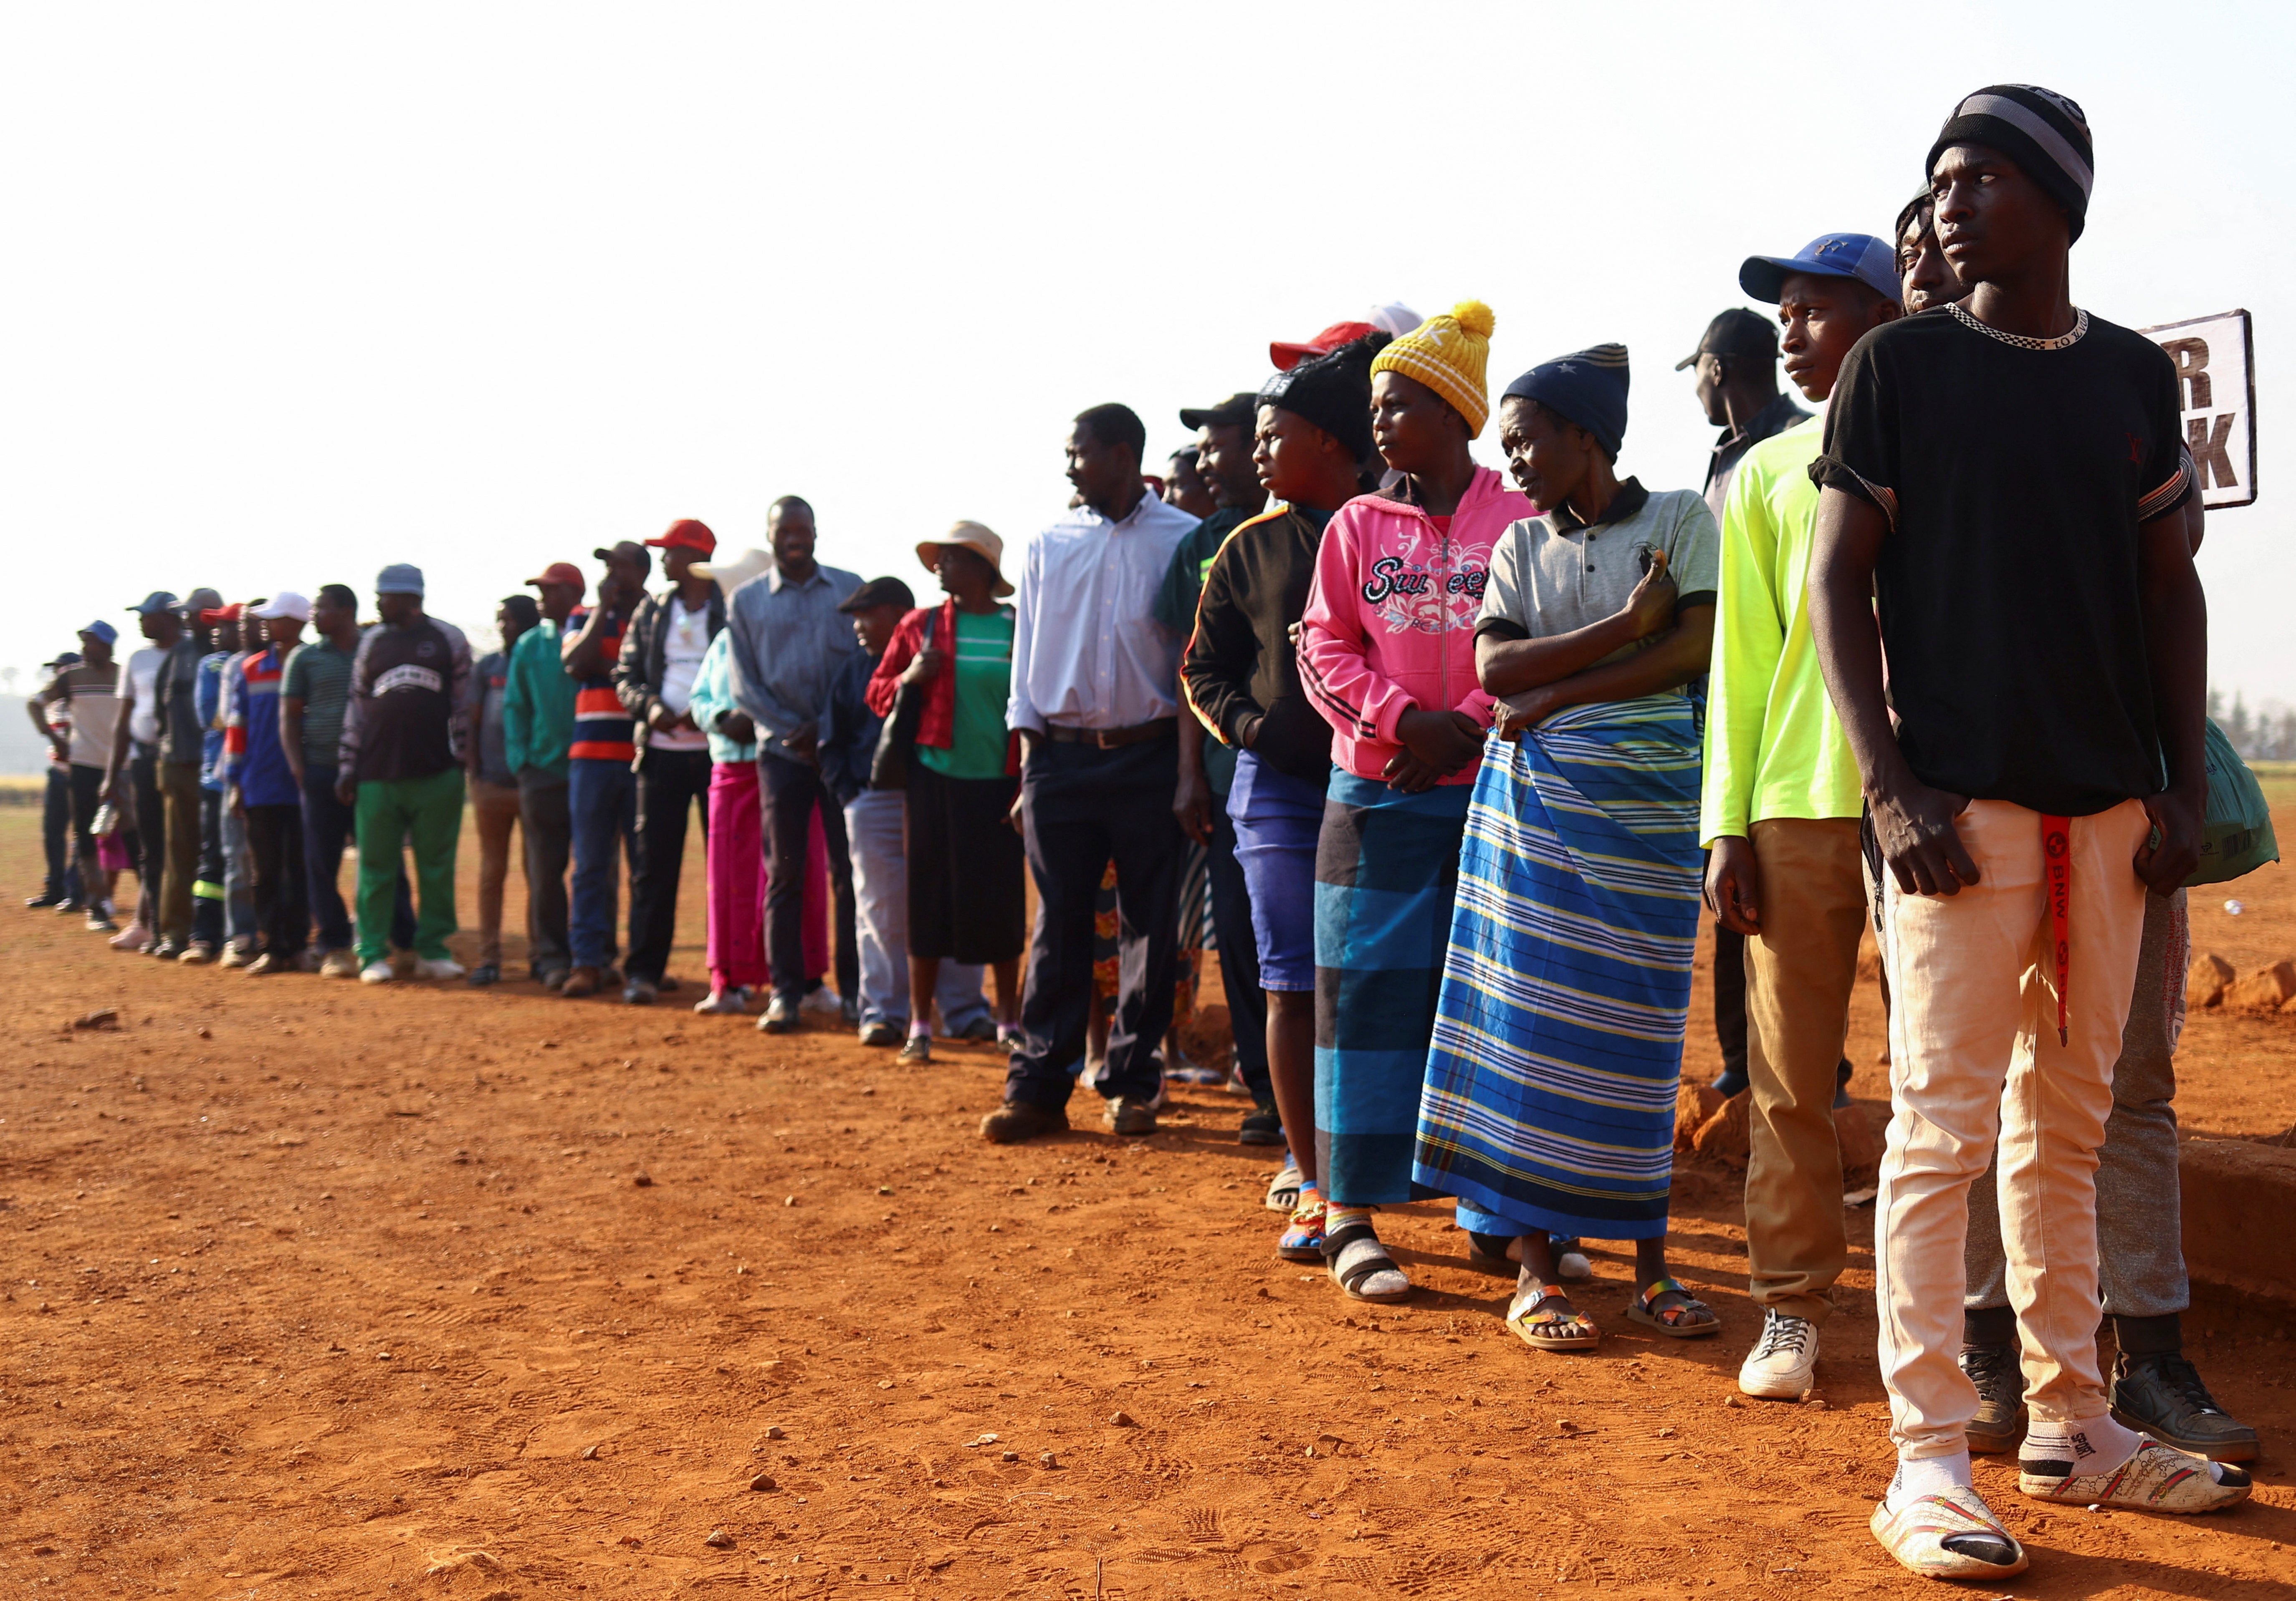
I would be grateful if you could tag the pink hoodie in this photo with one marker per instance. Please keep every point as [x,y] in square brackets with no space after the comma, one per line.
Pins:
[1390,622]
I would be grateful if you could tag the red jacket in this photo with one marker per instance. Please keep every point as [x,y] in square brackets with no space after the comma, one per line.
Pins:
[937,724]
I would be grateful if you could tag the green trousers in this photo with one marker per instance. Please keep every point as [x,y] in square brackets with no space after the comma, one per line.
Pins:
[391,814]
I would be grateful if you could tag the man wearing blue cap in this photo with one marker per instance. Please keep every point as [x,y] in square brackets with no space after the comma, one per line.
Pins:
[401,764]
[1779,816]
[131,781]
[2007,477]
[89,691]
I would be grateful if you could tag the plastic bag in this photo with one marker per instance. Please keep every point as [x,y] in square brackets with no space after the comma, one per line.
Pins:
[2236,835]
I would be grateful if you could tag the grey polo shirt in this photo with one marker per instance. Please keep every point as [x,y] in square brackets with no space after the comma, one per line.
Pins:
[1554,575]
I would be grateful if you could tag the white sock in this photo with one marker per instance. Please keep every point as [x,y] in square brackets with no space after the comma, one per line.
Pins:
[2081,1447]
[1918,1476]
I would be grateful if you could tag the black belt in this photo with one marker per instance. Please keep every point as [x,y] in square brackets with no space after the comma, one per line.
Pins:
[1109,738]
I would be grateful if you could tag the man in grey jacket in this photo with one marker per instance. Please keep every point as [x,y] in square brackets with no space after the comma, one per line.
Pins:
[789,642]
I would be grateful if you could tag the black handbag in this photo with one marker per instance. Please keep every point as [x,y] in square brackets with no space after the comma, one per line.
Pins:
[889,765]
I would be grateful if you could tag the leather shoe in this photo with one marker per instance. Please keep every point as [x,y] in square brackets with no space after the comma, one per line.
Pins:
[1018,1120]
[581,984]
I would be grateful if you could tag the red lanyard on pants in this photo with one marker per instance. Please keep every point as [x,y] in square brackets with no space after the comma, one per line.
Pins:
[2057,865]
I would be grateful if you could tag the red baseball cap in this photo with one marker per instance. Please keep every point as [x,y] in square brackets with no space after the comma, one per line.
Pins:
[1287,355]
[209,617]
[566,573]
[686,533]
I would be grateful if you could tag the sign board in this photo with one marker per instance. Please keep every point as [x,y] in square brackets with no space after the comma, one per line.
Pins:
[2216,385]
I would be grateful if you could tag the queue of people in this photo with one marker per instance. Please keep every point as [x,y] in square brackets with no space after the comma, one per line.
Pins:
[1455,757]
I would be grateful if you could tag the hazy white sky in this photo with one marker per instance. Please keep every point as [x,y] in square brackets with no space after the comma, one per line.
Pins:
[294,292]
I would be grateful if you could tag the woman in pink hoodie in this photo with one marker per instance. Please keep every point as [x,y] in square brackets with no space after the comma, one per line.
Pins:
[1387,652]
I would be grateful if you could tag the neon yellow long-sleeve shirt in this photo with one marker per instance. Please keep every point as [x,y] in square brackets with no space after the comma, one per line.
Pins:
[1773,746]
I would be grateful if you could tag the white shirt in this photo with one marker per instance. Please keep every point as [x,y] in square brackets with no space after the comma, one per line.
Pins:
[141,676]
[1087,651]
[682,649]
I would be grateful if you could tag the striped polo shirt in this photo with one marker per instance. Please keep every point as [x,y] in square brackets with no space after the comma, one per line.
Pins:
[602,723]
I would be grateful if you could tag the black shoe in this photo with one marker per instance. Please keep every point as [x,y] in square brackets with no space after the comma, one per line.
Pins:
[883,1034]
[49,898]
[483,975]
[2163,1396]
[1262,1125]
[552,979]
[849,1009]
[981,1030]
[2000,1380]
[667,984]
[166,950]
[639,991]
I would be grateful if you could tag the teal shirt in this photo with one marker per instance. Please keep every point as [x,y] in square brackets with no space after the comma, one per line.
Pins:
[983,664]
[713,697]
[537,703]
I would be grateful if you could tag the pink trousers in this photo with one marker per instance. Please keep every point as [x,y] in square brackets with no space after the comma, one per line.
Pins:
[738,883]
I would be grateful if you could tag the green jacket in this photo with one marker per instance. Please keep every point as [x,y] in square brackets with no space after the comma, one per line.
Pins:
[537,703]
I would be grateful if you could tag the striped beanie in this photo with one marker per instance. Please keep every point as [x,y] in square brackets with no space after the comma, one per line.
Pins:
[1588,387]
[2044,133]
[1448,355]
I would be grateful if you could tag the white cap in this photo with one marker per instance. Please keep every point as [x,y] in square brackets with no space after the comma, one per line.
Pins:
[730,575]
[1394,318]
[286,603]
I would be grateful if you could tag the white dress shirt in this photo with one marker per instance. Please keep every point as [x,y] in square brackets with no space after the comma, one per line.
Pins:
[1087,651]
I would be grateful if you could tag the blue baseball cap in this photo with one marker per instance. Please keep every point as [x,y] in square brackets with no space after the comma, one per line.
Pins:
[103,631]
[158,600]
[1858,256]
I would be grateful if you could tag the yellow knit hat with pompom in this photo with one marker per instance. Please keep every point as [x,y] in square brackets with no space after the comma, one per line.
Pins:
[1448,354]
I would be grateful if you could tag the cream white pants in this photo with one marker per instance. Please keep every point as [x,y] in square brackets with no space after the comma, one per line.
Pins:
[1974,1055]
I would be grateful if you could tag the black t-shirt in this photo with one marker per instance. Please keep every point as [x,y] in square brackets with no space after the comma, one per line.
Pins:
[2014,481]
[182,734]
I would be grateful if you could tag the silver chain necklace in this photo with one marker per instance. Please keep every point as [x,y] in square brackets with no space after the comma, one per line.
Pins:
[2025,341]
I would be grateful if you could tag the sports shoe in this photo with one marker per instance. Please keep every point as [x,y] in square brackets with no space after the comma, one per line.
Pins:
[581,984]
[68,908]
[1949,1536]
[339,964]
[881,1034]
[485,974]
[1129,1117]
[981,1030]
[781,1017]
[168,950]
[267,964]
[379,971]
[2000,1381]
[438,967]
[197,954]
[915,1050]
[2156,1479]
[46,897]
[1262,1125]
[235,956]
[730,1002]
[1784,1362]
[821,997]
[134,937]
[2163,1396]
[640,991]
[1018,1120]
[99,921]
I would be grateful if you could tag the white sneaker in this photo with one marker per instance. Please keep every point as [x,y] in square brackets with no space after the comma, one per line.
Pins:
[377,972]
[1784,1362]
[729,1002]
[823,1000]
[445,966]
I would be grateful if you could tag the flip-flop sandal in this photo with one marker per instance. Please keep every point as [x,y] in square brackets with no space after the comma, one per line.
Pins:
[1679,1321]
[1283,1189]
[1950,1536]
[1303,1241]
[1355,1255]
[1549,1330]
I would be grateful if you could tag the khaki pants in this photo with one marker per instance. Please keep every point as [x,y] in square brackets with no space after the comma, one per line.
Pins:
[494,808]
[1973,984]
[179,793]
[1800,972]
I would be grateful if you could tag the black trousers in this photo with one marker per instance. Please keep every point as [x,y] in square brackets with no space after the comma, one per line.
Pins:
[283,892]
[206,887]
[1239,956]
[1730,999]
[545,820]
[56,833]
[86,799]
[788,795]
[1080,808]
[670,784]
[147,848]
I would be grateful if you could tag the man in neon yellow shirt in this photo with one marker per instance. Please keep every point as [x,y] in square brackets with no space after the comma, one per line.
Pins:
[1780,811]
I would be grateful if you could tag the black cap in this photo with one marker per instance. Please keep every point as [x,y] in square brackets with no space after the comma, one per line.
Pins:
[627,547]
[880,592]
[1237,411]
[1738,332]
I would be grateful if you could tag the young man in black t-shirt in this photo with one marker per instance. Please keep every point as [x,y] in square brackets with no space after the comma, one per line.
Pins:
[2006,477]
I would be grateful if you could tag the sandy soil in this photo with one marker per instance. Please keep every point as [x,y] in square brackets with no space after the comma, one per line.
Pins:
[314,1290]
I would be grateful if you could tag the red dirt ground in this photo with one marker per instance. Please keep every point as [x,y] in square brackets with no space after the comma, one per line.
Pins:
[315,1290]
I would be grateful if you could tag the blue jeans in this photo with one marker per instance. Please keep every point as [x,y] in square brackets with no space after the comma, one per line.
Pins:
[602,796]
[873,832]
[328,825]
